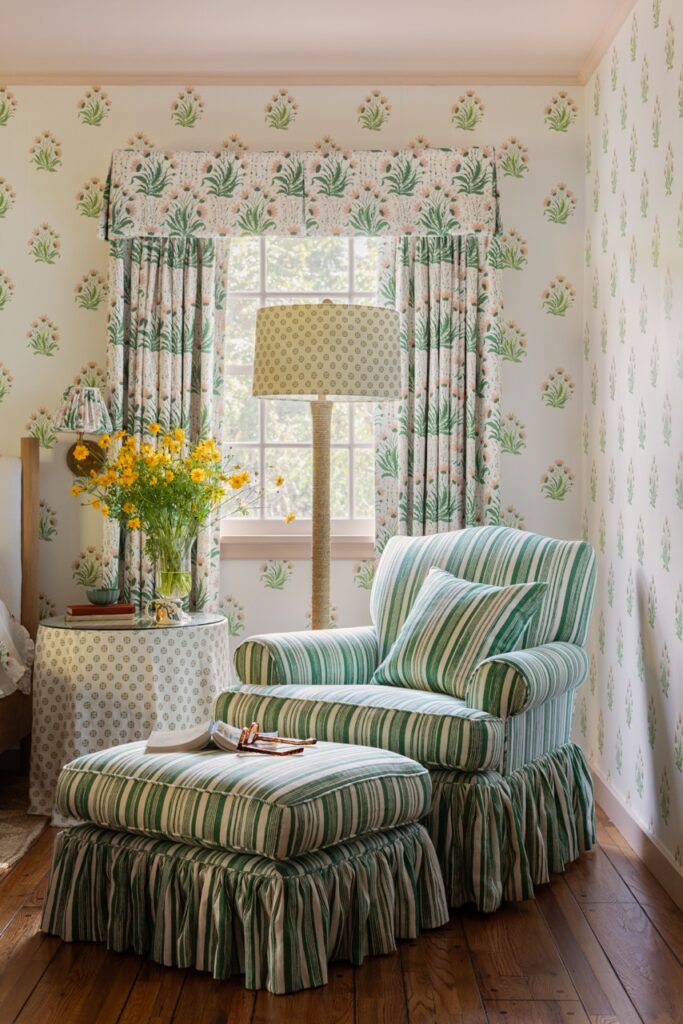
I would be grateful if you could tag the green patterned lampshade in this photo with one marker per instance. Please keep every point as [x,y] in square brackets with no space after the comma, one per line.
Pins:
[83,412]
[344,353]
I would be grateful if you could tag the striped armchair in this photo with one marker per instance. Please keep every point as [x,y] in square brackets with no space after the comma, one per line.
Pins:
[513,796]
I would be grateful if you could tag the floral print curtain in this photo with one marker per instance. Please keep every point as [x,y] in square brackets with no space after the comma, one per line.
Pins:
[437,453]
[165,362]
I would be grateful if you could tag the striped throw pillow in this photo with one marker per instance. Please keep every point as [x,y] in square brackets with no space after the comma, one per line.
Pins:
[453,625]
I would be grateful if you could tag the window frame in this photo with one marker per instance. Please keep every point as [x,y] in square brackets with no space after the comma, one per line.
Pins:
[352,537]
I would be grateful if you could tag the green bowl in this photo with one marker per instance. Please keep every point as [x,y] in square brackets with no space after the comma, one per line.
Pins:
[103,595]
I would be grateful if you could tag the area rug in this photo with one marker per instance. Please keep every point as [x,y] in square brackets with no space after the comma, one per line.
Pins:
[18,830]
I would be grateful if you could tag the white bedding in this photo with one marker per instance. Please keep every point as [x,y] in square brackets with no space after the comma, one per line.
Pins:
[16,655]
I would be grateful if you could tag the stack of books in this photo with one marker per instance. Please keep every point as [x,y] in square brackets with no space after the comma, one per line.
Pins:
[101,614]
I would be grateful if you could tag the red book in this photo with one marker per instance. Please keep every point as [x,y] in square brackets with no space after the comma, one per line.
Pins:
[100,609]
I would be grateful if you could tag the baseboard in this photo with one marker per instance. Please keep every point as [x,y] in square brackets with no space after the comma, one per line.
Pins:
[658,861]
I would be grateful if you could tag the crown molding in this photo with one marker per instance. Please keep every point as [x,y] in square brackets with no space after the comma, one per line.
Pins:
[276,79]
[604,41]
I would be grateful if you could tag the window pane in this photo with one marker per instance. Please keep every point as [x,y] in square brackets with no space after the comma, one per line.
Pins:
[340,423]
[364,422]
[241,410]
[288,421]
[245,458]
[364,483]
[244,267]
[295,465]
[365,264]
[241,328]
[339,483]
[307,264]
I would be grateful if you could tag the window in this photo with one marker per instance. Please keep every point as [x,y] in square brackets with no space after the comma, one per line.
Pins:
[275,436]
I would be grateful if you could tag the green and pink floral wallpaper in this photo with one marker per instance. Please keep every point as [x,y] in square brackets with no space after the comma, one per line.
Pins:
[630,715]
[55,147]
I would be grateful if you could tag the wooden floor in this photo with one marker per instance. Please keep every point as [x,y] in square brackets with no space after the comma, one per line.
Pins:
[602,943]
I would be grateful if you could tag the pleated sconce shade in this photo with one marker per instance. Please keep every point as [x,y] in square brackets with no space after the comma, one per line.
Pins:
[344,353]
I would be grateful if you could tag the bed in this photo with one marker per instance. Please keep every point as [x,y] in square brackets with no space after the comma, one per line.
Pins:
[19,538]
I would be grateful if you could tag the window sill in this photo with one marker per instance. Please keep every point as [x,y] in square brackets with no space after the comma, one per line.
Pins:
[296,548]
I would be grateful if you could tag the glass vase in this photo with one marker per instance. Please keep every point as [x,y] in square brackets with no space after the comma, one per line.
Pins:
[173,579]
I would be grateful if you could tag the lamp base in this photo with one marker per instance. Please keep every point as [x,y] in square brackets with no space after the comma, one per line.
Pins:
[84,467]
[321,413]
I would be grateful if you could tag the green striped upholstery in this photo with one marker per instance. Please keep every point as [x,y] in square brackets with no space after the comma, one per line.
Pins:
[276,922]
[509,683]
[451,627]
[276,807]
[433,728]
[326,657]
[538,731]
[491,554]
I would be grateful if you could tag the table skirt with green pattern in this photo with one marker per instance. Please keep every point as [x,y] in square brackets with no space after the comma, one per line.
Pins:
[276,922]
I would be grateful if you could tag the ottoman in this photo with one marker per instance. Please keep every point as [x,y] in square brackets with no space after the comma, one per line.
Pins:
[244,863]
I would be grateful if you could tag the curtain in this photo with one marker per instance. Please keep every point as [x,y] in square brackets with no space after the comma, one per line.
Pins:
[436,449]
[165,361]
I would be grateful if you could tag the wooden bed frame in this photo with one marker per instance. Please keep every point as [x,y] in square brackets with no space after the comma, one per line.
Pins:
[15,710]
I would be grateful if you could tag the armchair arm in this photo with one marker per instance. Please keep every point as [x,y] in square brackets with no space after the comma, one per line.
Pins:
[508,684]
[326,657]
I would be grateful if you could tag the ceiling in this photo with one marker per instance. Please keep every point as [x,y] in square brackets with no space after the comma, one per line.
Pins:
[298,41]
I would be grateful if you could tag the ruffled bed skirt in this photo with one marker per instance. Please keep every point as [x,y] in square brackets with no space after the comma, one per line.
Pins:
[497,836]
[278,923]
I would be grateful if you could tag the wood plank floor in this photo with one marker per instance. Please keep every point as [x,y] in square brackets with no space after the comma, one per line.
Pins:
[602,943]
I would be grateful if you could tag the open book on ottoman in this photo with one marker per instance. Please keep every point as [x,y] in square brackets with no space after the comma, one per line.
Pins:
[229,738]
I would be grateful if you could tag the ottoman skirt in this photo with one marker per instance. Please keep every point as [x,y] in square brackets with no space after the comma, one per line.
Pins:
[276,922]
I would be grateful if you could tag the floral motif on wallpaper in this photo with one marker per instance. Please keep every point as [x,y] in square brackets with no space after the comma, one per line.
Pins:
[187,108]
[631,440]
[93,107]
[281,110]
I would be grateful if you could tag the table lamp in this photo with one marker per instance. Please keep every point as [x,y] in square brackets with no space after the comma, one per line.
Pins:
[325,353]
[83,412]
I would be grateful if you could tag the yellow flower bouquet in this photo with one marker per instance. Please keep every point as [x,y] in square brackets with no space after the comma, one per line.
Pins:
[168,490]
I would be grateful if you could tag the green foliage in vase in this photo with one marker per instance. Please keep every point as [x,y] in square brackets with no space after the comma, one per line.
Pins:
[93,107]
[560,114]
[281,110]
[374,111]
[43,336]
[46,152]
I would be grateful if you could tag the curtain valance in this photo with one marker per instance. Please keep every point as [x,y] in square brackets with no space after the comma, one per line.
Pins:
[327,191]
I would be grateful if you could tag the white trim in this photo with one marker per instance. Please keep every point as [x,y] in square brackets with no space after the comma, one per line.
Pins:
[343,548]
[646,846]
[181,78]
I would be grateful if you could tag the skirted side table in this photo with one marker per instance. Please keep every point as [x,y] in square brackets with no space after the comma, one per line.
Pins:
[95,687]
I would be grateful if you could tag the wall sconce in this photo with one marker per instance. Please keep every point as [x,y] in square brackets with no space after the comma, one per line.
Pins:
[83,412]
